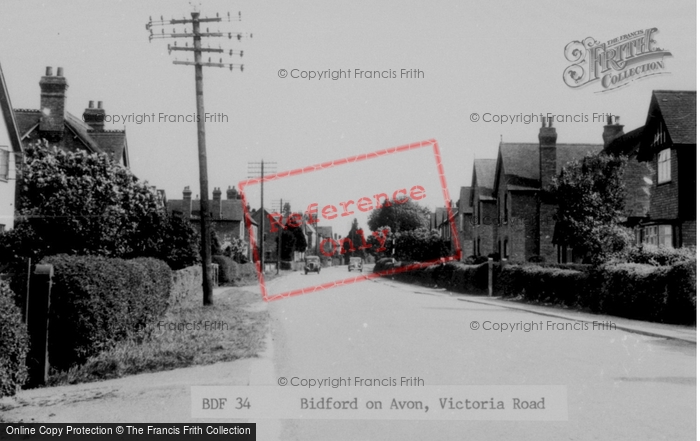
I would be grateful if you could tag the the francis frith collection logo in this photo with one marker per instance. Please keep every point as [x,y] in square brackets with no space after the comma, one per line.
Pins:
[614,63]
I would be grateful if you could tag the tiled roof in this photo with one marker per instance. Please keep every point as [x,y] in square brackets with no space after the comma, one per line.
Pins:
[627,144]
[464,195]
[521,161]
[679,111]
[112,142]
[485,170]
[231,209]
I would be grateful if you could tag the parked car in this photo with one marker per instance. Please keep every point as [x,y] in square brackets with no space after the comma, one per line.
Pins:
[355,264]
[311,264]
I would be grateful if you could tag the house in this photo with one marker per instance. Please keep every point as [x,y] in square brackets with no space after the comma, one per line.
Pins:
[68,132]
[227,215]
[523,217]
[669,143]
[464,221]
[638,175]
[10,156]
[483,206]
[326,232]
[270,238]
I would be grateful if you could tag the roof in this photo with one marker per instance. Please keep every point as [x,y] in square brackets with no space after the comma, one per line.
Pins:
[627,144]
[464,195]
[485,172]
[231,209]
[679,111]
[9,115]
[521,161]
[324,231]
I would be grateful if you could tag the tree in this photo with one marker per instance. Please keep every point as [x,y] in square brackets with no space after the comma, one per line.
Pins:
[355,238]
[293,239]
[590,197]
[84,203]
[405,216]
[419,245]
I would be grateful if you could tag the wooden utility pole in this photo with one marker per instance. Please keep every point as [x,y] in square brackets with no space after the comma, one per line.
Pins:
[196,35]
[261,226]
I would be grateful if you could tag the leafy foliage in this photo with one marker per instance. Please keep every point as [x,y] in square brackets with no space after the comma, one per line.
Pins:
[14,344]
[399,217]
[419,245]
[84,203]
[589,195]
[293,239]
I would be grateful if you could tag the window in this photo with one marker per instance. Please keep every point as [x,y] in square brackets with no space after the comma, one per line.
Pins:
[659,235]
[505,249]
[505,208]
[664,166]
[4,164]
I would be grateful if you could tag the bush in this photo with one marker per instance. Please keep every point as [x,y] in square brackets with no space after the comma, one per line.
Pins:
[227,269]
[682,293]
[536,283]
[14,344]
[536,259]
[651,255]
[475,260]
[97,301]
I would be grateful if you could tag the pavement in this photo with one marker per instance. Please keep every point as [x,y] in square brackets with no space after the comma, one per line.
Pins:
[651,329]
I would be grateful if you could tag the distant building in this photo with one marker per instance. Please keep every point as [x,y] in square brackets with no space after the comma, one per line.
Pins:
[61,128]
[483,206]
[464,221]
[10,156]
[227,215]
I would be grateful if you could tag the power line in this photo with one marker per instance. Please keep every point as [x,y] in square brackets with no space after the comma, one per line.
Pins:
[197,34]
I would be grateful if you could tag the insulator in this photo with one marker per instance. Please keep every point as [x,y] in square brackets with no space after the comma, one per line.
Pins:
[241,54]
[161,18]
[229,35]
[239,37]
[217,15]
[241,68]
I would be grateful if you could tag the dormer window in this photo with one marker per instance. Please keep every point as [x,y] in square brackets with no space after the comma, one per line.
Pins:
[664,166]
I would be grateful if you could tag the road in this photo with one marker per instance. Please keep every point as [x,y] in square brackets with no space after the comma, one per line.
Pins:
[618,385]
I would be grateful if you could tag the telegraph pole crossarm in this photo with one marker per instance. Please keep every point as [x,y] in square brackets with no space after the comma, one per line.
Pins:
[196,35]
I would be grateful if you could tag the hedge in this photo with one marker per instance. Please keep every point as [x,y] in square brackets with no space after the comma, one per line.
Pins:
[97,301]
[14,344]
[227,269]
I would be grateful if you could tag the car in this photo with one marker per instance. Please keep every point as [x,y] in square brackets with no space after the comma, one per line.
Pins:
[311,264]
[355,264]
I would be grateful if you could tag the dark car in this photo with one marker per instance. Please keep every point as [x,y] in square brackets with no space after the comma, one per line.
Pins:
[355,264]
[312,263]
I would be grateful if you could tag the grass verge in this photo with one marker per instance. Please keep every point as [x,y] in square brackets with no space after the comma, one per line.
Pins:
[189,334]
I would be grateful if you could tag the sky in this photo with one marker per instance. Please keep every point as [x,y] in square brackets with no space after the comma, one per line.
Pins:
[483,58]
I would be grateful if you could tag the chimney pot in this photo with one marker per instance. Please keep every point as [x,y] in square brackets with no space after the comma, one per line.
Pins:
[91,104]
[59,72]
[49,71]
[612,130]
[99,104]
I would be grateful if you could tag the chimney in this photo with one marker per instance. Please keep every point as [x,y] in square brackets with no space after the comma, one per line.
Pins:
[53,101]
[548,152]
[187,202]
[95,117]
[231,193]
[612,130]
[216,204]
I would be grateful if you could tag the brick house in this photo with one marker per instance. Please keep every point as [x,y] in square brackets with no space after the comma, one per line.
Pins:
[464,220]
[10,155]
[227,215]
[61,128]
[483,206]
[669,143]
[523,218]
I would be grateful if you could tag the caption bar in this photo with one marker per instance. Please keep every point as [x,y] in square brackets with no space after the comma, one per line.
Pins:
[505,403]
[51,431]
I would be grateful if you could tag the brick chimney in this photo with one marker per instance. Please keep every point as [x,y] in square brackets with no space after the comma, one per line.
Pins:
[187,202]
[53,101]
[95,117]
[548,152]
[216,204]
[231,193]
[612,130]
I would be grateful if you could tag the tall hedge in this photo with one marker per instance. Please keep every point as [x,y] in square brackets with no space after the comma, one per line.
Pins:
[97,301]
[14,344]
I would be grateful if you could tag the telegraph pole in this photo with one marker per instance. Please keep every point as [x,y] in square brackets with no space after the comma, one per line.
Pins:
[261,229]
[196,35]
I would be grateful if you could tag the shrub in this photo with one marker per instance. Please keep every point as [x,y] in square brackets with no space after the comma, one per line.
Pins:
[96,301]
[651,255]
[14,344]
[536,283]
[227,269]
[682,293]
[536,259]
[475,260]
